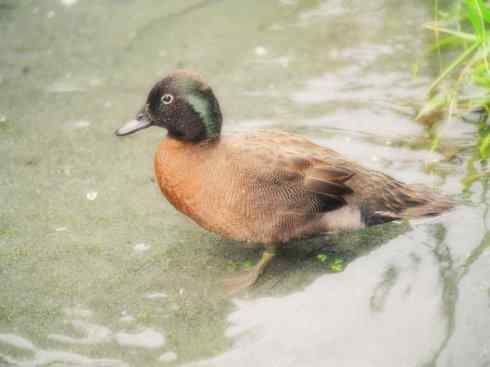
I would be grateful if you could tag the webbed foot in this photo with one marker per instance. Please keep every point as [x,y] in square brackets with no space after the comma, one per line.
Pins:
[250,277]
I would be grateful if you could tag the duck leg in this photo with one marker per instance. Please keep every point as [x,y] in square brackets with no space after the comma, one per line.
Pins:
[246,280]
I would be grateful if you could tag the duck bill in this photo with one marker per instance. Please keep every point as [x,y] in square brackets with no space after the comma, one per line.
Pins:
[141,122]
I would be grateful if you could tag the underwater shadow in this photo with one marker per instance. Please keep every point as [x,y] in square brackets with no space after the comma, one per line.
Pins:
[300,262]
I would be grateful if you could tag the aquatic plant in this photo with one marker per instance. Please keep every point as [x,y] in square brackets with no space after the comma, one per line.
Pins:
[462,28]
[335,264]
[463,85]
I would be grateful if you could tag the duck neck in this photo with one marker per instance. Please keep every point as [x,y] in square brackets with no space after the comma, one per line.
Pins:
[177,142]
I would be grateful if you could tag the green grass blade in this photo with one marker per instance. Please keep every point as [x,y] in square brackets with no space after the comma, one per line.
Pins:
[474,15]
[485,12]
[453,65]
[463,35]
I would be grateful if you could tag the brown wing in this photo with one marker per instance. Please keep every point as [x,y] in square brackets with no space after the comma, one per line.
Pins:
[329,183]
[306,176]
[318,179]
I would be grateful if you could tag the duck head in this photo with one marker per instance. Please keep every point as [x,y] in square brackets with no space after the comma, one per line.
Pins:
[182,103]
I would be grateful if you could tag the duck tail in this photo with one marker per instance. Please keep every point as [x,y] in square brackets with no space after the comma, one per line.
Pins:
[417,201]
[426,203]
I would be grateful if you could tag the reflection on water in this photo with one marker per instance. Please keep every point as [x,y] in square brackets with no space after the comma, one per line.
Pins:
[402,295]
[40,357]
[350,318]
[98,270]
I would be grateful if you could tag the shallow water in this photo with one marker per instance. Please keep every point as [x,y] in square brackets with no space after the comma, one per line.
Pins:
[97,269]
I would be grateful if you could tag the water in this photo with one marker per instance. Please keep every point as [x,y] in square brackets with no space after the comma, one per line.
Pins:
[97,269]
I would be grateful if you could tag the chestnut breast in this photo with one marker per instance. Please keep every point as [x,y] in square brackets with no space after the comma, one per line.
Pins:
[226,188]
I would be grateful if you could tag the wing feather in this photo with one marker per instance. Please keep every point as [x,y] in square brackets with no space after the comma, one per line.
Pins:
[329,184]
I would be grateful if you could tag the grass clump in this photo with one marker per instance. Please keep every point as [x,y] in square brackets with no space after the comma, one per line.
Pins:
[463,28]
[463,84]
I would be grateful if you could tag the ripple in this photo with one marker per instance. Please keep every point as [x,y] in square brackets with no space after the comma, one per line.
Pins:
[68,3]
[78,124]
[147,338]
[64,86]
[95,334]
[155,295]
[16,341]
[168,357]
[141,247]
[51,357]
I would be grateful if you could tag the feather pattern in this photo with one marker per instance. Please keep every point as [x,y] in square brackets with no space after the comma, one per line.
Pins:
[271,186]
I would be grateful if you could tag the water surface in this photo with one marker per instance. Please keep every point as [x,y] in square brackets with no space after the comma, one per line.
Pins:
[97,269]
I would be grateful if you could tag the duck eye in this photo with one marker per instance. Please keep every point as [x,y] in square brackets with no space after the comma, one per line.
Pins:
[167,98]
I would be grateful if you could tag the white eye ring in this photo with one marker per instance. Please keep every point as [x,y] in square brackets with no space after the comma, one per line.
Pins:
[167,98]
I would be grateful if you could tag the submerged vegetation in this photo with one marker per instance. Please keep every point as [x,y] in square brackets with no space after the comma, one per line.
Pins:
[462,37]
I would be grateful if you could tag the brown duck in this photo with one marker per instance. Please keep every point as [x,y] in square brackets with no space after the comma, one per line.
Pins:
[264,186]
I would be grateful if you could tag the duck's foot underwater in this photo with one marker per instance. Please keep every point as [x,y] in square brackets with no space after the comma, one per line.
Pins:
[248,279]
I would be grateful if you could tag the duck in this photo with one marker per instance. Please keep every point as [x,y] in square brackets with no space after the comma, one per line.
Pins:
[264,186]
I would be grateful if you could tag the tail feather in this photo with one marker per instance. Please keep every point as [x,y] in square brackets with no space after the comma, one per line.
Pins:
[410,201]
[429,203]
